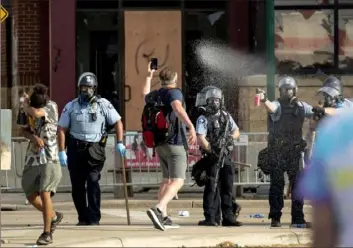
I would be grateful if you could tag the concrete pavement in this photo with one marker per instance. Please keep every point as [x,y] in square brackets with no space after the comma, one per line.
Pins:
[22,228]
[63,201]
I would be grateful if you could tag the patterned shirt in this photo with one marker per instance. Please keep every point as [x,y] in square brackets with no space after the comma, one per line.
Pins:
[328,178]
[45,128]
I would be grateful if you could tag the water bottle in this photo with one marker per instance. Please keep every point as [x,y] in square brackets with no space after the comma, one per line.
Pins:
[257,216]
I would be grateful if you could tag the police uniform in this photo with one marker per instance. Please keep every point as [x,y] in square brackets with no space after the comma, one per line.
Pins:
[86,124]
[214,127]
[285,149]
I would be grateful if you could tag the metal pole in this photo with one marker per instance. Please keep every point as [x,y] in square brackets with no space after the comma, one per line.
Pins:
[270,48]
[125,191]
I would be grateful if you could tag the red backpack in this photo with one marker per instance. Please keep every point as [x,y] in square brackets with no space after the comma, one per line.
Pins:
[156,128]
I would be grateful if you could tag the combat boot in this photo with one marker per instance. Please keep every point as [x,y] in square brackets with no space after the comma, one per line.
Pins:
[207,223]
[275,222]
[231,222]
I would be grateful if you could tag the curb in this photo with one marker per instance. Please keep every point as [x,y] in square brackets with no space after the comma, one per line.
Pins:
[137,204]
[242,240]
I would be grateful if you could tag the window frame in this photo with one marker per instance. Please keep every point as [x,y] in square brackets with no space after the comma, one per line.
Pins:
[335,7]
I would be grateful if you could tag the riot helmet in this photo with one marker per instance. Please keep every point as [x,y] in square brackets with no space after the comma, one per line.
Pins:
[287,88]
[201,96]
[214,99]
[87,86]
[331,92]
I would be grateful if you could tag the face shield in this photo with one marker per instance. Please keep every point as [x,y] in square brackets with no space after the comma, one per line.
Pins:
[329,91]
[200,100]
[213,100]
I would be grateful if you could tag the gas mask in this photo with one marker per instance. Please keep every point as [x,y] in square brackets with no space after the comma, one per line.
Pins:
[330,102]
[86,93]
[286,94]
[213,106]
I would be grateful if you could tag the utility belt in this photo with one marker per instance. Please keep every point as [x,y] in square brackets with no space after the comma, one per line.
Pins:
[286,145]
[85,144]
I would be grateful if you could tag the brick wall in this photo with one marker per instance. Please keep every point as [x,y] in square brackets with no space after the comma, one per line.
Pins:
[26,16]
[4,89]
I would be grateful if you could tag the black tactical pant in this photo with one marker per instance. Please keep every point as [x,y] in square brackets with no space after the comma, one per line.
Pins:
[223,197]
[289,162]
[85,163]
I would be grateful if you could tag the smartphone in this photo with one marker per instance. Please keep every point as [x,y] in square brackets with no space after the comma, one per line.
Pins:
[154,63]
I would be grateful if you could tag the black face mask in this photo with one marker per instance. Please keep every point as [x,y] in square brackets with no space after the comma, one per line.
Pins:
[286,94]
[212,107]
[86,96]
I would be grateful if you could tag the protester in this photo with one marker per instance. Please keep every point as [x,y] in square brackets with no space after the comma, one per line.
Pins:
[42,172]
[327,182]
[171,150]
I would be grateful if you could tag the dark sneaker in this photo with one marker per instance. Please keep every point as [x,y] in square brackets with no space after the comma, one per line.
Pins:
[301,225]
[55,223]
[275,223]
[156,217]
[168,223]
[45,239]
[207,223]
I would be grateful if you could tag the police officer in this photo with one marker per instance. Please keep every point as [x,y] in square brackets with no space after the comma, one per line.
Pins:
[85,120]
[331,101]
[211,132]
[331,96]
[285,148]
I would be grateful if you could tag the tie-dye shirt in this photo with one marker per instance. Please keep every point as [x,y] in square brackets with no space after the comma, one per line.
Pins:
[329,175]
[45,128]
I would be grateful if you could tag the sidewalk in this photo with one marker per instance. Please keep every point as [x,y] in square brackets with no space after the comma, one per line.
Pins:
[22,228]
[63,201]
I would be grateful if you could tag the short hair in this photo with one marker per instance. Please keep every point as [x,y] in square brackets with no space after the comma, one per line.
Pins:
[40,89]
[167,76]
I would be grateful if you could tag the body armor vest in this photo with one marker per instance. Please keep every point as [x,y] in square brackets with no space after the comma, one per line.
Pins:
[288,129]
[216,125]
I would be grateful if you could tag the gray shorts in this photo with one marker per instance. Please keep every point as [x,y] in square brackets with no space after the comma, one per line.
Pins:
[173,161]
[41,178]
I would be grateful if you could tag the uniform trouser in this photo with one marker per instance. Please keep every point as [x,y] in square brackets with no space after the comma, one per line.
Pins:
[281,163]
[223,194]
[85,162]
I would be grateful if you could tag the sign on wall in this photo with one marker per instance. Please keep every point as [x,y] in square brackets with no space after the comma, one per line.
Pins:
[3,14]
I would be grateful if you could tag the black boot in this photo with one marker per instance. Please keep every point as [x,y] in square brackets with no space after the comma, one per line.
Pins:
[207,223]
[231,222]
[300,224]
[275,222]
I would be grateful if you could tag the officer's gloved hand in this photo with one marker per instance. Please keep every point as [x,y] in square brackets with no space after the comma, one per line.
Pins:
[63,158]
[262,94]
[121,149]
[319,112]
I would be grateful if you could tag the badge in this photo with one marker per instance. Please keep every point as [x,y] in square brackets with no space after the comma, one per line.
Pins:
[94,106]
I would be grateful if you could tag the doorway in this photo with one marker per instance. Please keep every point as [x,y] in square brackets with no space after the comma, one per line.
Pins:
[98,51]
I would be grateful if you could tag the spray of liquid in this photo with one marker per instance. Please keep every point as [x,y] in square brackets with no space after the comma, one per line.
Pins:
[224,62]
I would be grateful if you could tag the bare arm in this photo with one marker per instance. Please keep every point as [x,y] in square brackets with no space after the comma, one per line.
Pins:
[330,111]
[36,113]
[270,107]
[181,114]
[61,138]
[28,135]
[203,143]
[147,87]
[325,233]
[119,130]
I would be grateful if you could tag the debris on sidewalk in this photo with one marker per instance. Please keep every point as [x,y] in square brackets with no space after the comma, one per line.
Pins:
[257,216]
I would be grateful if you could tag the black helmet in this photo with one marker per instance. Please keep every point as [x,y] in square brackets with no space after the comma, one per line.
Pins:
[87,79]
[331,86]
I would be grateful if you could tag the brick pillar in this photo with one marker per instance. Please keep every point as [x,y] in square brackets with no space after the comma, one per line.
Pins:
[62,51]
[3,65]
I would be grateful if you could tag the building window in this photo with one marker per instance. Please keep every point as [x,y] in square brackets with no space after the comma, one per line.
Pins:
[345,39]
[304,40]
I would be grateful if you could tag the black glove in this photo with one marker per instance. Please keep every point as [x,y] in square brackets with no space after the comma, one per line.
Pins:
[319,112]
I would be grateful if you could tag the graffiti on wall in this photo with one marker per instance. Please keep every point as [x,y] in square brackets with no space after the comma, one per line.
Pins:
[140,54]
[57,61]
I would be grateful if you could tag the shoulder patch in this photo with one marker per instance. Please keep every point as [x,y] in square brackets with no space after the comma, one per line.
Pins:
[201,120]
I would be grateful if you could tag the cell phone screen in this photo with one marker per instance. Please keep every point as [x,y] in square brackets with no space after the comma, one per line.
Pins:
[154,64]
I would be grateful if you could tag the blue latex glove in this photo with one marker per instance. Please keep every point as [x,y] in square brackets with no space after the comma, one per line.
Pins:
[63,158]
[120,148]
